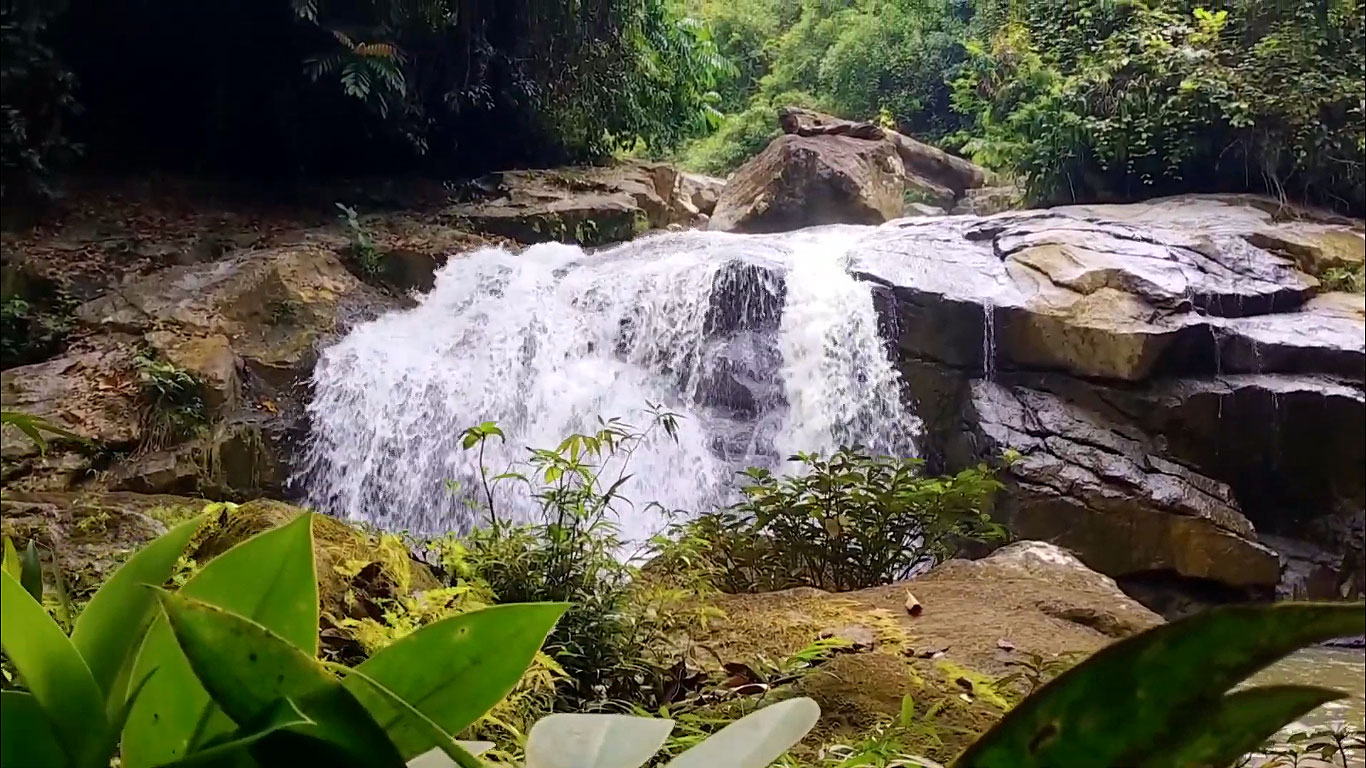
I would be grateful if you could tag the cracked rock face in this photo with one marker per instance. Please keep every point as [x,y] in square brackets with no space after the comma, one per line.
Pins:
[1174,376]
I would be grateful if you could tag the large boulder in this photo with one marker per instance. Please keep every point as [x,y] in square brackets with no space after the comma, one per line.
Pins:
[273,306]
[800,181]
[1176,382]
[585,205]
[927,168]
[979,618]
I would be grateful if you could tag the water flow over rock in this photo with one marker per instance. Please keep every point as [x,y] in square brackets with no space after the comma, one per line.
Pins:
[765,346]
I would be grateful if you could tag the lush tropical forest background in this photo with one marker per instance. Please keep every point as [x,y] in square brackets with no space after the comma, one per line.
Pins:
[1088,99]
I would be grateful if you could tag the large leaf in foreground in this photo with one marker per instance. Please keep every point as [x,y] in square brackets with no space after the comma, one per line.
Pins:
[269,579]
[453,671]
[248,670]
[52,670]
[604,741]
[1144,691]
[114,621]
[235,752]
[1242,722]
[26,734]
[755,740]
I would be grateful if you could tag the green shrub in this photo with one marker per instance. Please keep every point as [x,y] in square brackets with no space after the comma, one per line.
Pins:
[1103,100]
[173,401]
[846,522]
[888,59]
[610,642]
[226,671]
[368,258]
[38,100]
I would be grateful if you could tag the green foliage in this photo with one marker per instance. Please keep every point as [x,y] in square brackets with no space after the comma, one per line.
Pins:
[38,100]
[78,688]
[268,578]
[1175,678]
[468,663]
[173,401]
[860,59]
[1032,670]
[1102,100]
[34,427]
[1351,279]
[573,554]
[28,333]
[587,78]
[368,258]
[889,745]
[1308,746]
[846,522]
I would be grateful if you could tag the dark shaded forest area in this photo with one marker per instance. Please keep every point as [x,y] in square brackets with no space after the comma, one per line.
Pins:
[1075,101]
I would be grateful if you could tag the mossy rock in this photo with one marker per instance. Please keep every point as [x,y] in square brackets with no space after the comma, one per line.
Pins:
[355,567]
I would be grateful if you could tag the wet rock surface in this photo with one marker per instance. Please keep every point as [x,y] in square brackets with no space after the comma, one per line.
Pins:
[1174,379]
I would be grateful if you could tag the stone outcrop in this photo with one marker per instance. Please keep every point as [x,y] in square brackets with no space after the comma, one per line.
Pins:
[978,617]
[800,181]
[1175,387]
[923,163]
[825,170]
[246,328]
[587,205]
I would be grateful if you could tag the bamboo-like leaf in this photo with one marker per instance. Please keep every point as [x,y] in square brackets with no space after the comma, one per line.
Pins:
[247,669]
[755,740]
[31,572]
[52,669]
[1241,722]
[27,737]
[453,671]
[11,563]
[603,741]
[268,578]
[1143,691]
[115,620]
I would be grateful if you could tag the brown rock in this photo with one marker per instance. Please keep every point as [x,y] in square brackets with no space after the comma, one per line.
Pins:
[209,358]
[803,181]
[931,164]
[91,390]
[273,306]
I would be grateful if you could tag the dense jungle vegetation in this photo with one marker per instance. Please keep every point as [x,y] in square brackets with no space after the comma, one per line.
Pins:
[1085,100]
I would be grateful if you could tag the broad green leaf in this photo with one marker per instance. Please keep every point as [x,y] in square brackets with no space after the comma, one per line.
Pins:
[1139,692]
[116,618]
[233,752]
[26,733]
[755,740]
[453,671]
[247,669]
[602,741]
[52,669]
[31,572]
[12,566]
[444,742]
[268,578]
[1240,723]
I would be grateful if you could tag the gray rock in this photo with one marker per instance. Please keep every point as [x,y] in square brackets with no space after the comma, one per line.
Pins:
[800,181]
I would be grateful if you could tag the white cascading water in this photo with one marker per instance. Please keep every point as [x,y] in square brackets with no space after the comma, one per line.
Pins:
[764,345]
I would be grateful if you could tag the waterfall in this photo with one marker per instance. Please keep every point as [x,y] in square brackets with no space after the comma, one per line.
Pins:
[764,346]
